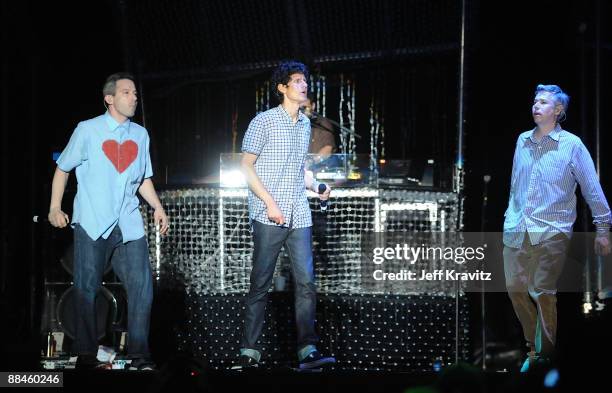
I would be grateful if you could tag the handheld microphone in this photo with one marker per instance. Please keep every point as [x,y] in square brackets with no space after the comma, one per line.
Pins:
[44,219]
[322,188]
[39,219]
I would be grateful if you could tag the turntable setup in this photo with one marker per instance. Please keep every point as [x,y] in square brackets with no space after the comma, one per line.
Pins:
[347,171]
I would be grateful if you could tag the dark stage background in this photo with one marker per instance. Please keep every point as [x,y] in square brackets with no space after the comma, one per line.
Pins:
[198,63]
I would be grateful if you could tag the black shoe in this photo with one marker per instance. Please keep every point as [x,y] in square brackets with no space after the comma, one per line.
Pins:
[142,364]
[316,360]
[89,362]
[245,362]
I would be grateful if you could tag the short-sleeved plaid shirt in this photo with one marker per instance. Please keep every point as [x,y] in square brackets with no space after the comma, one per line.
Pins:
[281,147]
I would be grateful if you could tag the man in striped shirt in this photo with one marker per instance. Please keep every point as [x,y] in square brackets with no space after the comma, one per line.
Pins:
[548,164]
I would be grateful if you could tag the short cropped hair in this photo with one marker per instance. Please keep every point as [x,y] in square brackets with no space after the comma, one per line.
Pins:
[110,85]
[560,96]
[282,76]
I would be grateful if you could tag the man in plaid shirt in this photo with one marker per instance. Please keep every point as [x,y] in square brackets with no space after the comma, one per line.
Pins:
[274,148]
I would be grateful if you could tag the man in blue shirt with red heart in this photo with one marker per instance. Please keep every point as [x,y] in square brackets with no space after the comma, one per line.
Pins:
[110,156]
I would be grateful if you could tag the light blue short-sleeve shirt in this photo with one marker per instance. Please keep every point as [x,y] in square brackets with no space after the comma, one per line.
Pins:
[110,160]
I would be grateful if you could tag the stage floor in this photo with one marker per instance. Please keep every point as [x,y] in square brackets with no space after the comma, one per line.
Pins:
[187,378]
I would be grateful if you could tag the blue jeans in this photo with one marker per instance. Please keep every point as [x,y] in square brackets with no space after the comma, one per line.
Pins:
[130,262]
[268,241]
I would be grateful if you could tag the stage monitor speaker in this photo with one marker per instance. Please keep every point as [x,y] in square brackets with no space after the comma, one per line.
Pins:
[111,311]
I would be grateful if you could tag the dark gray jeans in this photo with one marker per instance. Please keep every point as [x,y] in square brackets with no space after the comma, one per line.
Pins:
[268,241]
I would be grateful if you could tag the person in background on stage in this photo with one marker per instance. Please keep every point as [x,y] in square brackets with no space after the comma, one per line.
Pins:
[110,155]
[274,150]
[323,144]
[549,162]
[322,139]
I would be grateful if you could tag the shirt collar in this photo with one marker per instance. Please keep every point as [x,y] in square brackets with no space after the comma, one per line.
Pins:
[554,134]
[114,124]
[301,116]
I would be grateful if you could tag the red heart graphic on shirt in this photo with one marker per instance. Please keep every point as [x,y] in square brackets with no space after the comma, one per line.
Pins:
[121,155]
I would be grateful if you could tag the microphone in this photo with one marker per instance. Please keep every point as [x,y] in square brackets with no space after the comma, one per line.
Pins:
[43,219]
[39,219]
[322,188]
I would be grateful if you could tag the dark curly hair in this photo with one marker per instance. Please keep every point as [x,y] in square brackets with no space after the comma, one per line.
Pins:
[282,76]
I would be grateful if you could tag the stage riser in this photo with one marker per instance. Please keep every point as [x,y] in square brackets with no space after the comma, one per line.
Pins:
[209,247]
[400,333]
